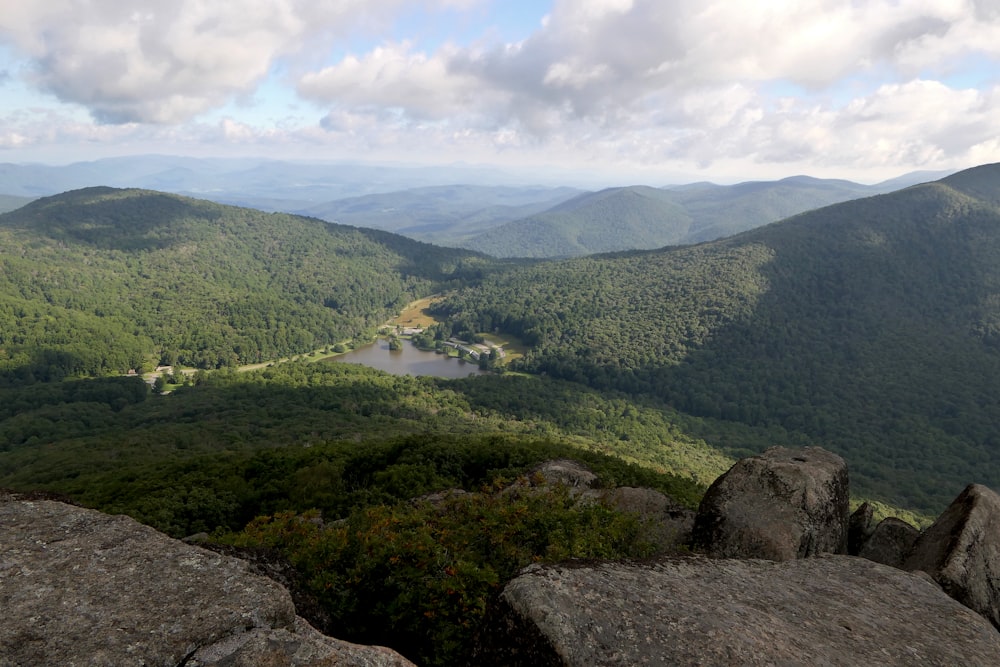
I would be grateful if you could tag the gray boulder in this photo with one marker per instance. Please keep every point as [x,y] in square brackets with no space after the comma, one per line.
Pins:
[567,472]
[890,543]
[78,587]
[961,551]
[782,504]
[828,610]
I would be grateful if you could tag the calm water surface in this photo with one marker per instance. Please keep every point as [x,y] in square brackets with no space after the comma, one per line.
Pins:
[408,361]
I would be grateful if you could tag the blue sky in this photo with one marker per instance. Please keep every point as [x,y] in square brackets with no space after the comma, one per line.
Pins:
[639,90]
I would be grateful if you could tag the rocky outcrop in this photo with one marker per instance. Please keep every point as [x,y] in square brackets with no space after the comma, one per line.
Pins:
[890,543]
[782,504]
[666,523]
[774,606]
[828,610]
[572,474]
[961,551]
[298,645]
[78,587]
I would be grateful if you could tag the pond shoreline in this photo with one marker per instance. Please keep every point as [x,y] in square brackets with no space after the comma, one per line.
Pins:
[409,360]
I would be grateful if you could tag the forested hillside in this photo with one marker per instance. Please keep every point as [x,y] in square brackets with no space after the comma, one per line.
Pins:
[870,327]
[109,443]
[100,281]
[637,218]
[345,446]
[613,219]
[721,211]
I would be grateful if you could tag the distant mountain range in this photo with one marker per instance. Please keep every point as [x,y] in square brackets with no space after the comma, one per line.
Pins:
[635,218]
[490,210]
[273,185]
[871,327]
[446,214]
[12,202]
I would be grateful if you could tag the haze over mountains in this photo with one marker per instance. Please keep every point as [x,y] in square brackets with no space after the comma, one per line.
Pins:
[446,214]
[639,217]
[498,212]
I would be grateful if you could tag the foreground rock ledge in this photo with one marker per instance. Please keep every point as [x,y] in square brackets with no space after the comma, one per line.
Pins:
[828,610]
[78,587]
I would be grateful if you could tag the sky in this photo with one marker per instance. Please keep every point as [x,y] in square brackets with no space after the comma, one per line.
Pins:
[652,91]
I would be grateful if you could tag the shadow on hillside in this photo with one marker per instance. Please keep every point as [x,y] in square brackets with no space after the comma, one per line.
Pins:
[863,342]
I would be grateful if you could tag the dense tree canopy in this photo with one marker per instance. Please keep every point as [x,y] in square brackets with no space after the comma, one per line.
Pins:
[100,281]
[869,327]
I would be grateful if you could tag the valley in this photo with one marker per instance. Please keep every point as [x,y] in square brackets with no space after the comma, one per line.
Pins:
[868,327]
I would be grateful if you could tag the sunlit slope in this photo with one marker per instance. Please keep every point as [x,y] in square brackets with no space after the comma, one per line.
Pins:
[98,280]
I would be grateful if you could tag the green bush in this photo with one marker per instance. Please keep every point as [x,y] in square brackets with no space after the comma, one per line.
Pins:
[418,576]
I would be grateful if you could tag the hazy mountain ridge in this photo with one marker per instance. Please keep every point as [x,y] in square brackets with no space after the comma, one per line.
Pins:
[641,217]
[243,181]
[13,202]
[501,212]
[870,326]
[612,219]
[446,214]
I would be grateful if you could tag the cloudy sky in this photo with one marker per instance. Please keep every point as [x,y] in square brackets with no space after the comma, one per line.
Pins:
[653,90]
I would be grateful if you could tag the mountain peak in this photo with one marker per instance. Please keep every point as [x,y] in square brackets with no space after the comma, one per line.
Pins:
[981,182]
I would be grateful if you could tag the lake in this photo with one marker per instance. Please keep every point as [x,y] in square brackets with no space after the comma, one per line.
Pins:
[410,360]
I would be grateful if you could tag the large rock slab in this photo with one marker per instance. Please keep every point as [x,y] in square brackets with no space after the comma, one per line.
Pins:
[78,587]
[961,551]
[299,646]
[828,610]
[783,504]
[572,474]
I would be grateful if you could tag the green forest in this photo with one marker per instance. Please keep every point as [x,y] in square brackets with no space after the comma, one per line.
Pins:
[871,328]
[100,281]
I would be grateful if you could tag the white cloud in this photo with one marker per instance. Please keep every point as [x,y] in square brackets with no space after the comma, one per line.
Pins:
[688,80]
[165,61]
[394,77]
[695,83]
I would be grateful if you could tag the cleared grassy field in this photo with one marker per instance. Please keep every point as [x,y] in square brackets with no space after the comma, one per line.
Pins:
[512,345]
[416,315]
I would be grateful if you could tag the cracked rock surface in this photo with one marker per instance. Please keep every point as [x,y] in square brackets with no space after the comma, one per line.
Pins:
[78,587]
[827,610]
